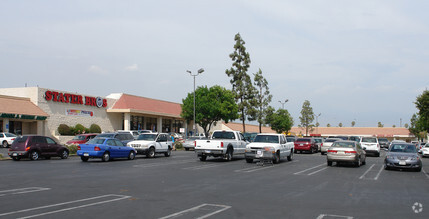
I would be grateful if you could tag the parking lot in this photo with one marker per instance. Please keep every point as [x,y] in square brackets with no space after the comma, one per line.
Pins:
[181,186]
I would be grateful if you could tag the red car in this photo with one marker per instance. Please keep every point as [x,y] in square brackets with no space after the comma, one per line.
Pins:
[306,144]
[82,138]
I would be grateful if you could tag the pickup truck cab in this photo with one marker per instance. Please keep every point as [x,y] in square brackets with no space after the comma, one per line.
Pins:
[150,144]
[223,144]
[269,146]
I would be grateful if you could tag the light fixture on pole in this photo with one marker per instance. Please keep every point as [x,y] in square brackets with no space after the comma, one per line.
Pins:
[283,103]
[317,122]
[200,71]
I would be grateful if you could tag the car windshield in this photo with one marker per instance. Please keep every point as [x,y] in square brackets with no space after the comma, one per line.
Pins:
[223,135]
[303,140]
[404,148]
[382,139]
[9,135]
[147,137]
[318,140]
[96,141]
[290,139]
[106,135]
[267,138]
[343,144]
[79,137]
[369,140]
[331,140]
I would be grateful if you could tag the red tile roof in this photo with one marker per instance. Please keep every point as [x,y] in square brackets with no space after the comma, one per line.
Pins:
[147,105]
[326,131]
[19,105]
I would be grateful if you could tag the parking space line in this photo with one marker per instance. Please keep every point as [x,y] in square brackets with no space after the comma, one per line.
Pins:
[317,171]
[379,172]
[163,164]
[367,171]
[201,167]
[309,169]
[118,197]
[22,191]
[206,210]
[333,216]
[253,169]
[426,173]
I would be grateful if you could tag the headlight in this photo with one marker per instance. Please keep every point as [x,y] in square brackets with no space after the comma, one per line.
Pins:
[390,157]
[270,149]
[415,158]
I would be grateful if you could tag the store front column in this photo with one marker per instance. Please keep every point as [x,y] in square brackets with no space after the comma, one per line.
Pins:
[5,125]
[127,119]
[40,128]
[159,128]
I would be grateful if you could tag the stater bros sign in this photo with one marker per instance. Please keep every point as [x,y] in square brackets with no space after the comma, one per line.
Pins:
[75,99]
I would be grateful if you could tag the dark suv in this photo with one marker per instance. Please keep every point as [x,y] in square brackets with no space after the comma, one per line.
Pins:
[35,146]
[306,144]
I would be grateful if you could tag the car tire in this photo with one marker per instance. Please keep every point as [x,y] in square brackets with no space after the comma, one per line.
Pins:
[84,159]
[358,163]
[105,157]
[377,154]
[329,163]
[228,155]
[386,167]
[322,153]
[364,162]
[168,153]
[203,157]
[276,159]
[249,160]
[34,155]
[290,157]
[151,153]
[186,149]
[64,154]
[16,158]
[131,155]
[5,144]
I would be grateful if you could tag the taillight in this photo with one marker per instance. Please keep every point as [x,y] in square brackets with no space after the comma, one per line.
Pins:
[78,148]
[96,148]
[195,143]
[221,144]
[321,144]
[332,151]
[27,148]
[350,152]
[12,139]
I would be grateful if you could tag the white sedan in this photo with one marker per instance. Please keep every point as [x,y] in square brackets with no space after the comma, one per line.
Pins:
[6,139]
[425,151]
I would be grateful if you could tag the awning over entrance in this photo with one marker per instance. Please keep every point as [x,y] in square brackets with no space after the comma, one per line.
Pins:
[20,108]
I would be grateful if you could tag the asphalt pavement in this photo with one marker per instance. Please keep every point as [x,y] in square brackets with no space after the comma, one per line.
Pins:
[181,186]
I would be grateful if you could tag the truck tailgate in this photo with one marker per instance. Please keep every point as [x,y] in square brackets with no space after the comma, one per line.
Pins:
[208,144]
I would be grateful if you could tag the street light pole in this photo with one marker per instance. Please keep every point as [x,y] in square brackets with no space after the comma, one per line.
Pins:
[200,71]
[283,103]
[317,123]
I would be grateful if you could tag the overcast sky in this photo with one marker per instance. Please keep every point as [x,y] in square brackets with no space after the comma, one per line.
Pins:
[365,61]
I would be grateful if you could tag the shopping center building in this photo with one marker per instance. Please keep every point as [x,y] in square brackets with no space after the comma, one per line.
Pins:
[34,110]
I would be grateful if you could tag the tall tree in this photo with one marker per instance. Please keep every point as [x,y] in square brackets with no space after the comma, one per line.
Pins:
[353,123]
[211,105]
[328,125]
[262,98]
[280,121]
[241,81]
[380,125]
[422,104]
[307,116]
[340,124]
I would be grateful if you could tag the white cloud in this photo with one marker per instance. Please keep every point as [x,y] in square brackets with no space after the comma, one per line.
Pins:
[97,70]
[133,67]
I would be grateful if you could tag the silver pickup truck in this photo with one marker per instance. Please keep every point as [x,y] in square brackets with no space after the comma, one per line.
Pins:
[223,144]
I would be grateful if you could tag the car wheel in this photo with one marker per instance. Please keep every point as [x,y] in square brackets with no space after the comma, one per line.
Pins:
[168,153]
[203,157]
[358,163]
[34,155]
[228,155]
[311,150]
[290,157]
[4,144]
[377,154]
[322,153]
[105,157]
[249,160]
[131,155]
[64,154]
[151,152]
[16,158]
[329,163]
[276,158]
[84,159]
[386,167]
[186,149]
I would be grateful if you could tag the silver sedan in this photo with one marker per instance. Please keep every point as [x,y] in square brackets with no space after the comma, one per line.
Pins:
[403,156]
[347,152]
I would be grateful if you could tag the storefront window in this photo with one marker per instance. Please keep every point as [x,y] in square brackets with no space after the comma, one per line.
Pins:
[151,124]
[137,123]
[177,124]
[166,125]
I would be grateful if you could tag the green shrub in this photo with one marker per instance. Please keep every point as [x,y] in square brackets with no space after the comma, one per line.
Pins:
[79,129]
[178,145]
[94,129]
[72,148]
[64,129]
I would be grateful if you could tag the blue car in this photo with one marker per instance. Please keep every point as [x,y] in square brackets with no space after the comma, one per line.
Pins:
[106,149]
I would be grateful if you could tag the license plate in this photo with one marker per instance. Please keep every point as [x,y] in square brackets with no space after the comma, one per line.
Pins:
[15,154]
[340,152]
[402,163]
[208,151]
[258,153]
[86,155]
[301,144]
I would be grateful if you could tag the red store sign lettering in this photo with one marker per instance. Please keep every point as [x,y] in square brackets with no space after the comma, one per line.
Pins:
[75,99]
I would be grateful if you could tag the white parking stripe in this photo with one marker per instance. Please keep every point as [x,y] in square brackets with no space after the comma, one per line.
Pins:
[163,164]
[253,169]
[309,169]
[119,197]
[426,173]
[367,171]
[201,167]
[199,209]
[332,216]
[22,191]
[317,171]
[379,172]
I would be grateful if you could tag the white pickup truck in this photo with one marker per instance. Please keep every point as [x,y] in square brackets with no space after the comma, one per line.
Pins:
[223,144]
[150,144]
[271,147]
